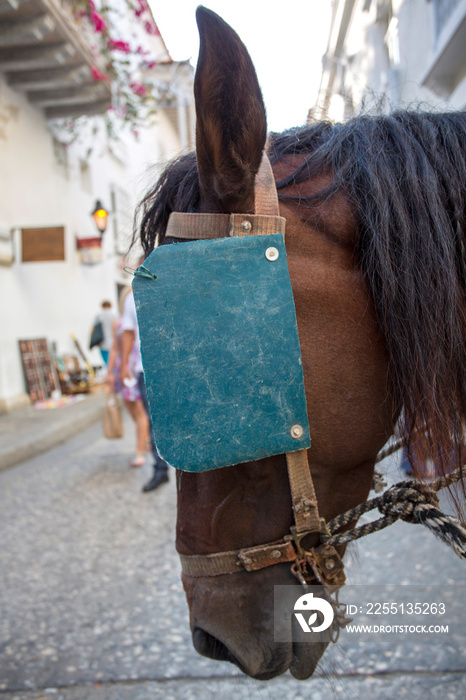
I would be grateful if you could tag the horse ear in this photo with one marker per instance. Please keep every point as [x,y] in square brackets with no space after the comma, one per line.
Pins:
[231,125]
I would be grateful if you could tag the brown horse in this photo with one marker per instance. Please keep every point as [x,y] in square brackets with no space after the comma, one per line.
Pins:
[375,224]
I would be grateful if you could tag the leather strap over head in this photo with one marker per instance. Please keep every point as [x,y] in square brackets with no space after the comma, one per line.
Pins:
[265,221]
[265,192]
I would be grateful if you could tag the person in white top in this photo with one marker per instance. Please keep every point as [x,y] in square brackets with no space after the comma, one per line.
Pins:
[131,342]
[129,391]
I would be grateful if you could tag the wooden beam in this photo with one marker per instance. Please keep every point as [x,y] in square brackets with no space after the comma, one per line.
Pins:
[78,110]
[49,77]
[25,30]
[69,29]
[68,95]
[44,56]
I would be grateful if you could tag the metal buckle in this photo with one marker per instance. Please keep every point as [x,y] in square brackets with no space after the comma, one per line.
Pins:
[327,562]
[324,561]
[297,537]
[321,565]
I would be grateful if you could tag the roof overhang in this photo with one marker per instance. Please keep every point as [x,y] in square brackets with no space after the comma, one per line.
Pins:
[46,55]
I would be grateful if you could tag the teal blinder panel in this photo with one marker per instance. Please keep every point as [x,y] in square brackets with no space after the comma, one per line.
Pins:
[221,352]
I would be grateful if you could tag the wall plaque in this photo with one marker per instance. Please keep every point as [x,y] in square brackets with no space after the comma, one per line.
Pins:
[90,250]
[43,244]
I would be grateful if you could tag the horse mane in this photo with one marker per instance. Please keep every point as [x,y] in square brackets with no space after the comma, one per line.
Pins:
[405,176]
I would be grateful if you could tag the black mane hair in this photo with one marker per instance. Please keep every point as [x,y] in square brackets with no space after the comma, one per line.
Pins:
[177,189]
[405,176]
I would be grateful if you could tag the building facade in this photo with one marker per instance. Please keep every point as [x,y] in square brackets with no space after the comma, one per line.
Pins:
[55,268]
[385,54]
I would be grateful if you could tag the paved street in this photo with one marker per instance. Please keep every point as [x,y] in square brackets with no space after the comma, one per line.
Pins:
[91,604]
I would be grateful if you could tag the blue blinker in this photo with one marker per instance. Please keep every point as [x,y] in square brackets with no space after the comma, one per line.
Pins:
[220,350]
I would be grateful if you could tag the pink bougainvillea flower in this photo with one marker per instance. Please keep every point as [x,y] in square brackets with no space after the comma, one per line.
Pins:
[98,21]
[97,75]
[149,27]
[138,89]
[141,9]
[115,45]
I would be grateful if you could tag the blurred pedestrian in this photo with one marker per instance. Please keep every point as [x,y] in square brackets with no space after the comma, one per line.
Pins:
[129,390]
[106,317]
[130,338]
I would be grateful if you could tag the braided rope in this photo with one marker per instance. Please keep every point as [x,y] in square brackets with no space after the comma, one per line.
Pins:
[394,447]
[411,501]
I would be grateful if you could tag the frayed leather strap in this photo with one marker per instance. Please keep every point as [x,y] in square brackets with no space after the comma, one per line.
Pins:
[248,559]
[265,191]
[303,495]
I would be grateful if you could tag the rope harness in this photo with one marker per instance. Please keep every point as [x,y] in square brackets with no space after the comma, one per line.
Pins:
[411,501]
[322,565]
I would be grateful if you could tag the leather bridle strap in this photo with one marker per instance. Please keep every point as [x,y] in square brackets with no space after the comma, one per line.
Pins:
[209,226]
[265,221]
[307,521]
[303,495]
[247,559]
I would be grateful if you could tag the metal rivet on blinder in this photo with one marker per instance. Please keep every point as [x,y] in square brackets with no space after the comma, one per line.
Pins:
[297,431]
[276,554]
[246,226]
[271,254]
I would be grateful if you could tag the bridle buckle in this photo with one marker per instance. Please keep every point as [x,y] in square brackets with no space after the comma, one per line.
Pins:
[323,560]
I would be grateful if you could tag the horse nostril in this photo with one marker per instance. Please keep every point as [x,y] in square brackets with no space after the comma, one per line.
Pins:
[261,669]
[208,645]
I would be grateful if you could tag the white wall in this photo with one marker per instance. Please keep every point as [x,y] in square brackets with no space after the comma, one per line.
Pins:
[55,299]
[387,56]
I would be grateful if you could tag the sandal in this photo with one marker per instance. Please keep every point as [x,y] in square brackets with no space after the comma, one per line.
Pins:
[138,461]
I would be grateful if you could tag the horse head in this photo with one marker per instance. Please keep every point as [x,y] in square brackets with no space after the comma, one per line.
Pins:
[344,362]
[362,362]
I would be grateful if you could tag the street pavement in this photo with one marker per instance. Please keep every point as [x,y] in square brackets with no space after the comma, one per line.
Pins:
[91,603]
[30,431]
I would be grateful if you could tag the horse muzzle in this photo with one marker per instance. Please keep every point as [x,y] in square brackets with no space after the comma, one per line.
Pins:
[232,619]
